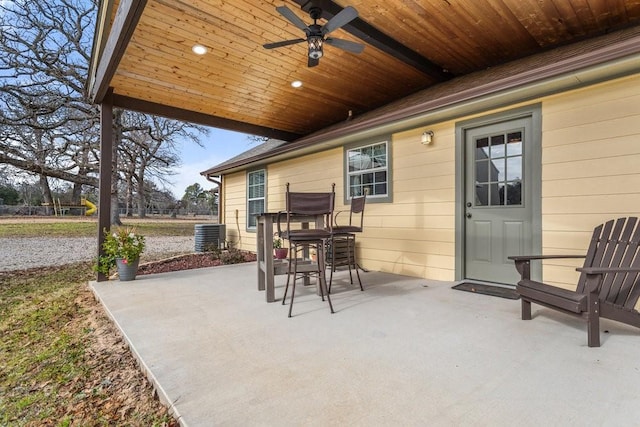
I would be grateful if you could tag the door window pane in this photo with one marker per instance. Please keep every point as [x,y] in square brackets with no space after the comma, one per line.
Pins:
[498,169]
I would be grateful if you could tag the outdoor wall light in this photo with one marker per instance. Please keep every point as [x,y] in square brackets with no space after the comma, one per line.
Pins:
[427,137]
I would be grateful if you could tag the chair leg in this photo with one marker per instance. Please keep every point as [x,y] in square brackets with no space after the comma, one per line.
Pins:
[333,264]
[322,278]
[295,276]
[593,322]
[355,263]
[286,288]
[526,310]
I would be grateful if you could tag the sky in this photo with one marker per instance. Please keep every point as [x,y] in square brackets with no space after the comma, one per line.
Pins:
[217,147]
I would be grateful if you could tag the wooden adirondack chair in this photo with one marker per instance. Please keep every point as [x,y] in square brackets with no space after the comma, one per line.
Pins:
[609,283]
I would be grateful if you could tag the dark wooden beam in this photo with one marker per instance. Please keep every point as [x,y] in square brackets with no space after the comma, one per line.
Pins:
[156,109]
[369,34]
[106,159]
[124,24]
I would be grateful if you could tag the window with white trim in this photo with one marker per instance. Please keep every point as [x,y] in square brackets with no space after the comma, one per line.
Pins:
[367,170]
[256,191]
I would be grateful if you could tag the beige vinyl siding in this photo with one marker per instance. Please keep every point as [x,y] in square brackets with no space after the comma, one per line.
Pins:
[590,167]
[235,193]
[415,234]
[590,173]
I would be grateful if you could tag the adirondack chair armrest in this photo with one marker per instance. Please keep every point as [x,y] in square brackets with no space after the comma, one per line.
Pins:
[534,257]
[523,262]
[605,270]
[595,275]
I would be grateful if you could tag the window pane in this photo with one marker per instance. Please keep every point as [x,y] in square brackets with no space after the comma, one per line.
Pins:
[367,170]
[514,168]
[482,194]
[514,193]
[482,172]
[497,170]
[514,144]
[497,146]
[497,201]
[482,148]
[256,207]
[256,190]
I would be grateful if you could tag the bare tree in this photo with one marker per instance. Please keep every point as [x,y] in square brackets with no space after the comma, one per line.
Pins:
[49,128]
[43,63]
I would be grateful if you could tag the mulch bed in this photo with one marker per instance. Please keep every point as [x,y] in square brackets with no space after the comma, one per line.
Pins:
[186,262]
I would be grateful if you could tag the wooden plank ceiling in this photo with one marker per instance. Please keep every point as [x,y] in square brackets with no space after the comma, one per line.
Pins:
[239,80]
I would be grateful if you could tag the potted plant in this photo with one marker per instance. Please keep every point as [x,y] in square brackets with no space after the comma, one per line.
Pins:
[278,251]
[122,248]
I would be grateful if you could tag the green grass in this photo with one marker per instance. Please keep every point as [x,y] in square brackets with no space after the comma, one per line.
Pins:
[89,229]
[50,373]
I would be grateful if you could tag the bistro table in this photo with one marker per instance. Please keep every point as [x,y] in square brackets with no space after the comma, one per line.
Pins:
[267,266]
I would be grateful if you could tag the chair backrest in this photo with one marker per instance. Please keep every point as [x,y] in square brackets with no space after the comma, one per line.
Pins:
[615,244]
[357,208]
[312,204]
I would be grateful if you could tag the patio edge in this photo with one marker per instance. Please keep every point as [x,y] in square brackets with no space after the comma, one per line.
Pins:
[161,393]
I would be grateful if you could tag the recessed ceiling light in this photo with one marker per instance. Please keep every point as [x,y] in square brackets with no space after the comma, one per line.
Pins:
[296,83]
[198,49]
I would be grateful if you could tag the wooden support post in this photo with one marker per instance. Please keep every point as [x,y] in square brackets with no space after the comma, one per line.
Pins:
[106,158]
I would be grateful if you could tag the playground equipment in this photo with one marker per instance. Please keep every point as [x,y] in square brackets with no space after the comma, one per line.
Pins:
[60,209]
[91,208]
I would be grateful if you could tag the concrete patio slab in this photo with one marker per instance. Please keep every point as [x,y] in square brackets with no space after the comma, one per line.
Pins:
[406,352]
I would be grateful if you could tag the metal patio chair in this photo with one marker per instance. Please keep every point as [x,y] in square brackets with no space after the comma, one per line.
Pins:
[342,246]
[318,206]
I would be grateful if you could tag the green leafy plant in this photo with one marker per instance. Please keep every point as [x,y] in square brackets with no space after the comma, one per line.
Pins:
[122,243]
[277,242]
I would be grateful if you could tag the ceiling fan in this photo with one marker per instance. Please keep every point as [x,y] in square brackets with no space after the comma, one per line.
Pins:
[316,34]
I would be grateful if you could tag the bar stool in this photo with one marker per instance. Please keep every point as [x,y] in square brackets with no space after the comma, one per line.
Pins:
[319,206]
[343,240]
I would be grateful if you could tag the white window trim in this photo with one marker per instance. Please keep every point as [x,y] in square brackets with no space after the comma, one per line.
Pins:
[388,198]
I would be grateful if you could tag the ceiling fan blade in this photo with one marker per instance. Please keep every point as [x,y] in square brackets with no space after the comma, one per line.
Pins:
[292,17]
[343,17]
[347,45]
[313,62]
[282,43]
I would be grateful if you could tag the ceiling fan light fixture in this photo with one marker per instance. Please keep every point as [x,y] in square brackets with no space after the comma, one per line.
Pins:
[315,47]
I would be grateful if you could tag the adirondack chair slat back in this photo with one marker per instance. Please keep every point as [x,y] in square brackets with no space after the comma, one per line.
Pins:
[615,244]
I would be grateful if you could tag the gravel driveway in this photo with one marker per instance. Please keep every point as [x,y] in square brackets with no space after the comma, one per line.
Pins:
[17,253]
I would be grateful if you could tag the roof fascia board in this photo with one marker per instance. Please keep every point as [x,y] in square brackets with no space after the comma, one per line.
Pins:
[143,106]
[613,61]
[103,26]
[124,24]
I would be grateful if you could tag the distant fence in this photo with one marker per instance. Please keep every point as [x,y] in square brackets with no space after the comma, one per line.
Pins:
[10,210]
